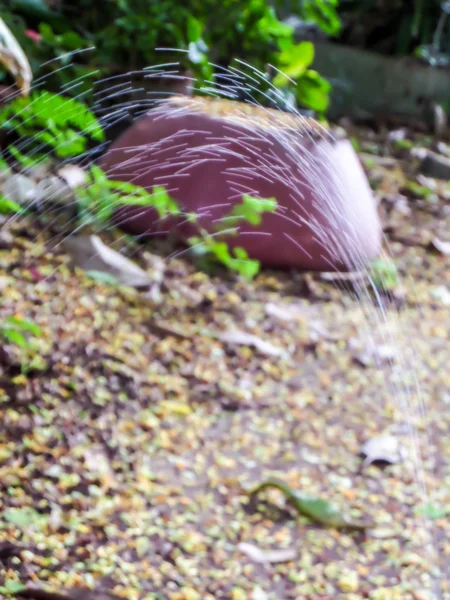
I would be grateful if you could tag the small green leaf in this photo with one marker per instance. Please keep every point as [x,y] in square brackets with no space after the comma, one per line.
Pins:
[14,336]
[383,274]
[12,587]
[9,206]
[24,325]
[22,517]
[433,511]
[102,277]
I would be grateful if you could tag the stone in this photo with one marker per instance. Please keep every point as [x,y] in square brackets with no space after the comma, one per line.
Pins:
[208,153]
[435,165]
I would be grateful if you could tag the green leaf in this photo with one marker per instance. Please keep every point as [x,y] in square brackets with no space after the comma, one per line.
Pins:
[24,325]
[324,14]
[194,29]
[313,91]
[433,511]
[294,63]
[383,274]
[9,206]
[317,509]
[12,587]
[23,517]
[102,277]
[14,336]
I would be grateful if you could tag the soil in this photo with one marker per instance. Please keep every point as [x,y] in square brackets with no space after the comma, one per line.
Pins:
[131,434]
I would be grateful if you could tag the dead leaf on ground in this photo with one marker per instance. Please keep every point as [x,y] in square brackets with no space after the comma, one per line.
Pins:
[368,353]
[242,338]
[91,254]
[441,246]
[338,276]
[14,59]
[267,556]
[74,176]
[384,448]
[284,313]
[70,594]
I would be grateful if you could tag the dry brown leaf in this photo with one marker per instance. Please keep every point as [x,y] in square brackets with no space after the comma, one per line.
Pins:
[441,246]
[14,59]
[242,338]
[267,556]
[91,254]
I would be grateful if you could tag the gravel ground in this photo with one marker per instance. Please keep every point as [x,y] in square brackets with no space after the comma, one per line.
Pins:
[132,434]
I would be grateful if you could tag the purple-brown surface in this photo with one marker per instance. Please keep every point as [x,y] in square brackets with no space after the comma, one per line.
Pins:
[208,153]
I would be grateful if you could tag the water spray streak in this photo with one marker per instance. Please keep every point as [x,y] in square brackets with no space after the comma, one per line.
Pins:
[309,173]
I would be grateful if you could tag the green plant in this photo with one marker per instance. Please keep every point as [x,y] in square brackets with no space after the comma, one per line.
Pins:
[100,197]
[402,27]
[383,274]
[51,121]
[9,206]
[311,90]
[210,249]
[323,13]
[19,332]
[209,34]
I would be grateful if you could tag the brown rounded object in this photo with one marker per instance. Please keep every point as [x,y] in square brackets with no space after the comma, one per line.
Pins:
[208,153]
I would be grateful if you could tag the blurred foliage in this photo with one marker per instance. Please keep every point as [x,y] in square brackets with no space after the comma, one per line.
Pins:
[399,27]
[72,43]
[50,122]
[322,13]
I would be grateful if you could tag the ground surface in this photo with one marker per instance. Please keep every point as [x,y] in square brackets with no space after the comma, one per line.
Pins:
[125,460]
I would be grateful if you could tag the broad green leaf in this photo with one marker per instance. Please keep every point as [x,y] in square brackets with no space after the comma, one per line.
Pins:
[313,91]
[294,62]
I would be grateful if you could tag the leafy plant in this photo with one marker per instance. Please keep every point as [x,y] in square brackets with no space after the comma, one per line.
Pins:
[100,197]
[404,27]
[9,206]
[19,331]
[209,248]
[323,13]
[311,90]
[52,121]
[383,274]
[125,36]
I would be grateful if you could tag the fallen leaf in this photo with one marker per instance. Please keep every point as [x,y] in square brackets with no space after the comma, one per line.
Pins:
[74,176]
[441,293]
[283,313]
[14,59]
[267,556]
[369,353]
[242,338]
[441,246]
[70,594]
[384,448]
[317,509]
[338,276]
[259,594]
[91,254]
